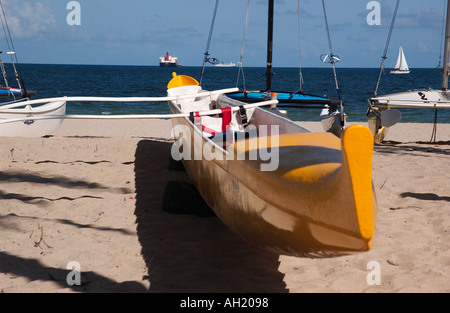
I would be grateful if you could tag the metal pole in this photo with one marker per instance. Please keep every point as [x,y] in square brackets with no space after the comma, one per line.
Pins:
[269,72]
[205,59]
[445,70]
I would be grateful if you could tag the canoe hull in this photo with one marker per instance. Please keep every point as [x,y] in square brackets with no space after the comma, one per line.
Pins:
[279,210]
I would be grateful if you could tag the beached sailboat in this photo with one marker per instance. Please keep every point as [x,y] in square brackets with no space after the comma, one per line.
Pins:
[313,195]
[332,115]
[11,92]
[6,90]
[382,112]
[19,108]
[401,67]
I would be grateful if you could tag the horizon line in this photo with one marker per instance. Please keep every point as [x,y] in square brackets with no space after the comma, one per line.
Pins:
[209,66]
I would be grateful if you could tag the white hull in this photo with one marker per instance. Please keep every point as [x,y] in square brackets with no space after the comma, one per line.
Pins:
[419,99]
[225,65]
[399,72]
[414,99]
[331,121]
[31,127]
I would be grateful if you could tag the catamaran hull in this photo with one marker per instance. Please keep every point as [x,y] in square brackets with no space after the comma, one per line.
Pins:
[310,204]
[302,100]
[332,121]
[416,99]
[31,127]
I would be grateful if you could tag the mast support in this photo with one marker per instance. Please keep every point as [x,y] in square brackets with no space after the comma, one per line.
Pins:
[269,72]
[445,70]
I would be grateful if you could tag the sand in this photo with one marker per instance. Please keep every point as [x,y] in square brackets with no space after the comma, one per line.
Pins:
[92,194]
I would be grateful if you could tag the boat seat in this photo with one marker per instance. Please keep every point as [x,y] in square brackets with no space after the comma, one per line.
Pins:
[214,125]
[200,104]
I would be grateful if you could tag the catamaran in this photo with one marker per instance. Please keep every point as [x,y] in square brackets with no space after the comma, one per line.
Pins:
[19,106]
[382,112]
[332,114]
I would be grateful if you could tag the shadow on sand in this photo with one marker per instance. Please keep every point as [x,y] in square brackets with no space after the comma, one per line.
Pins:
[188,253]
[183,252]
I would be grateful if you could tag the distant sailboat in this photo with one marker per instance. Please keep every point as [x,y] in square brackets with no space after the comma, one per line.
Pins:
[401,67]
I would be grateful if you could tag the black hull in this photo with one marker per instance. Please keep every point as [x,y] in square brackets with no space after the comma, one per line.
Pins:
[169,65]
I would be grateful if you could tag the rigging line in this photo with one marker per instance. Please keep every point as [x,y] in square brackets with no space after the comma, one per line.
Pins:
[433,134]
[427,72]
[332,60]
[4,32]
[3,19]
[383,59]
[408,82]
[9,37]
[299,50]
[5,76]
[241,69]
[257,80]
[434,131]
[9,40]
[205,59]
[415,77]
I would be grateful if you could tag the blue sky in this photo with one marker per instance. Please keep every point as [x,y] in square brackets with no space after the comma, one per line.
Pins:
[137,32]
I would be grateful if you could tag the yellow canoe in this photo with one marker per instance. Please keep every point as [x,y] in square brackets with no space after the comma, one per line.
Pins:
[275,183]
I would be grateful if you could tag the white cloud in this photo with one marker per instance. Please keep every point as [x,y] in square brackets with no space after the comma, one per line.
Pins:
[422,46]
[29,19]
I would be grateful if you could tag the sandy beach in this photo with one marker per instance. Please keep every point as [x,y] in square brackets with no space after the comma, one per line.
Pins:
[91,196]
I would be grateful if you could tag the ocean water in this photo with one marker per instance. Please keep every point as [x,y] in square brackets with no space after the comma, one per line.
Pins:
[356,85]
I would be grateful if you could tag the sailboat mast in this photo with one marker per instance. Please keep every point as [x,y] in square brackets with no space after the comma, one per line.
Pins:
[445,71]
[269,71]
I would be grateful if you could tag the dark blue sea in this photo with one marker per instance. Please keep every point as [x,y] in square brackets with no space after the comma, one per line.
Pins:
[356,85]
